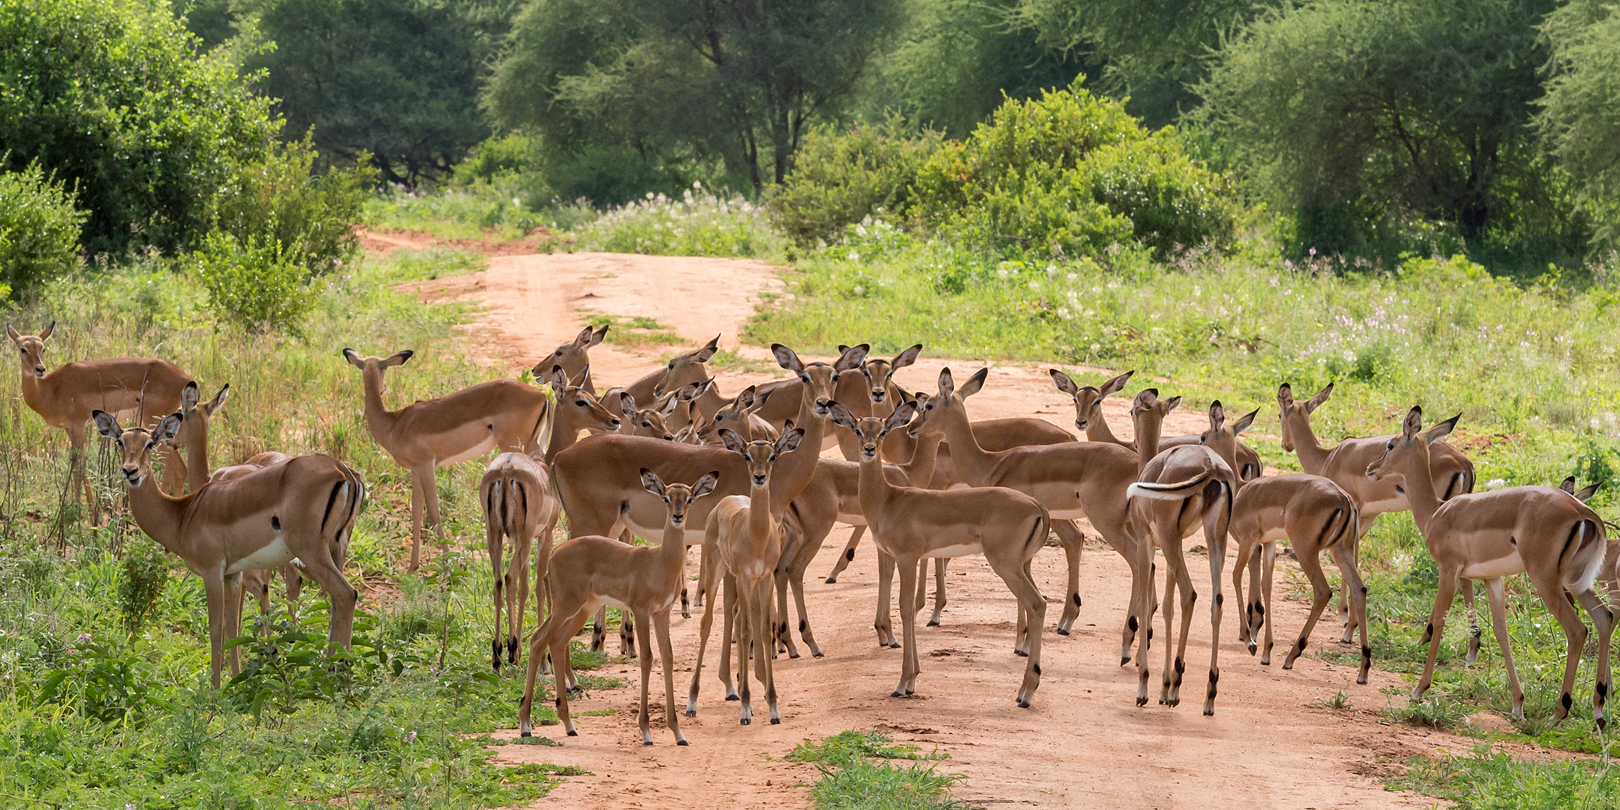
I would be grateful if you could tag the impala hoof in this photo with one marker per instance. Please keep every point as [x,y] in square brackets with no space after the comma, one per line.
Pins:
[817,654]
[573,734]
[897,693]
[776,721]
[894,645]
[746,721]
[732,697]
[1124,659]
[831,581]
[680,742]
[1141,700]
[932,623]
[527,734]
[794,654]
[1023,704]
[1062,631]
[648,742]
[691,713]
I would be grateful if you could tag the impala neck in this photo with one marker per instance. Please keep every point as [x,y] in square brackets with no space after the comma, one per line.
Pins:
[158,514]
[564,433]
[1097,430]
[378,418]
[673,549]
[793,471]
[759,511]
[1149,427]
[1312,457]
[873,488]
[1419,487]
[973,464]
[920,469]
[197,469]
[33,391]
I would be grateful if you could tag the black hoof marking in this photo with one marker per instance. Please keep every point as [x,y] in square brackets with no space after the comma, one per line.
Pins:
[573,734]
[1077,600]
[1150,634]
[1214,678]
[732,697]
[527,734]
[1602,723]
[1566,702]
[803,625]
[1062,632]
[849,554]
[1192,596]
[682,742]
[776,722]
[1302,645]
[1259,609]
[1179,668]
[1219,598]
[1037,669]
[1602,689]
[1131,623]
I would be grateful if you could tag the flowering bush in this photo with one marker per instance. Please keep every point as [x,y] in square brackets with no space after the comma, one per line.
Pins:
[698,224]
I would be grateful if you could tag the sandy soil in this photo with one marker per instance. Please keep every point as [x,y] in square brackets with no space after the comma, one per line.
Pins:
[1084,743]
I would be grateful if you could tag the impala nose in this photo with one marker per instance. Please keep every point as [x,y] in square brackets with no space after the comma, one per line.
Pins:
[39,371]
[759,480]
[1079,424]
[821,407]
[879,395]
[132,475]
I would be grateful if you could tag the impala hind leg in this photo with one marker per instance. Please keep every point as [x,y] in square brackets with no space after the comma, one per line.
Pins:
[1140,623]
[1493,590]
[1214,537]
[1445,592]
[1269,567]
[940,565]
[1245,553]
[782,638]
[1352,582]
[1467,588]
[418,502]
[846,556]
[493,540]
[1575,632]
[1074,544]
[1021,582]
[1604,621]
[1174,666]
[1322,596]
[731,625]
[646,674]
[233,617]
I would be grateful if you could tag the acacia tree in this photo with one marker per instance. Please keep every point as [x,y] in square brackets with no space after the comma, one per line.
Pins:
[738,80]
[1372,120]
[1581,111]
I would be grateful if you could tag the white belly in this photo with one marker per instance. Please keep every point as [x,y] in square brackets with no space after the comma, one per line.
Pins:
[473,452]
[961,550]
[1380,507]
[1491,569]
[1068,514]
[274,554]
[852,519]
[610,601]
[1274,534]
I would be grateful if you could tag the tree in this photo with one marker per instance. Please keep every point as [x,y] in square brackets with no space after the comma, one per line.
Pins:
[112,99]
[1375,122]
[395,78]
[1581,111]
[729,79]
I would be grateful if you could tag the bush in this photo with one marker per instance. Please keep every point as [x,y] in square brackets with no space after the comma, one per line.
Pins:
[256,285]
[279,200]
[111,97]
[1071,173]
[700,224]
[146,573]
[39,230]
[842,178]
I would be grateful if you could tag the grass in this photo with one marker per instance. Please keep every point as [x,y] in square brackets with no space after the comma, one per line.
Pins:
[93,713]
[698,224]
[857,774]
[638,330]
[1484,780]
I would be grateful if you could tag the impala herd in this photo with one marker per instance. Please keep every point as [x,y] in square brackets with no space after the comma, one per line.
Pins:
[669,457]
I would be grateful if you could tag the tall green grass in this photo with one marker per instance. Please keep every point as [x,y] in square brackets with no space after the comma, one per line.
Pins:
[1486,781]
[700,223]
[93,713]
[857,773]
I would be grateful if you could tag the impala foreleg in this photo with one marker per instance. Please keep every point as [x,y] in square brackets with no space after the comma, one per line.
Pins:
[1074,543]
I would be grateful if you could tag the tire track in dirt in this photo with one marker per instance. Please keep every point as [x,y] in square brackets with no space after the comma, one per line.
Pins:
[1084,743]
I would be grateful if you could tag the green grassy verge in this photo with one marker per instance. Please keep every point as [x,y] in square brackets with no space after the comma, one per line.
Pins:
[96,714]
[1487,781]
[857,773]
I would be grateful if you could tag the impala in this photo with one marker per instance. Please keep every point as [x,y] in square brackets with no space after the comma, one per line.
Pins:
[127,387]
[1088,418]
[303,508]
[502,414]
[1540,531]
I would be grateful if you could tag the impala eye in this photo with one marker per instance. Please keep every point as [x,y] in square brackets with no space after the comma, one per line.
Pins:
[1390,446]
[804,378]
[672,365]
[559,352]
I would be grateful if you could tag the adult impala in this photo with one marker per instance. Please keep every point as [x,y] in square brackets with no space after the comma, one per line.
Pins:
[127,387]
[1540,531]
[303,508]
[1088,417]
[501,414]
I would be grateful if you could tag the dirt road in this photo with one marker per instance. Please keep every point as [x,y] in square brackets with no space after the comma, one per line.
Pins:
[1273,741]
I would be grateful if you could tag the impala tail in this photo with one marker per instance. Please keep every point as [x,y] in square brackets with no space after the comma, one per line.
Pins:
[1178,491]
[1582,560]
[342,509]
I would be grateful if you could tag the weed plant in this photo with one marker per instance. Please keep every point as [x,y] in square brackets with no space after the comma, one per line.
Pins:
[857,773]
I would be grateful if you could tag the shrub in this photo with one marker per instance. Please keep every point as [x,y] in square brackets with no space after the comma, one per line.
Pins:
[39,230]
[112,98]
[842,178]
[256,285]
[280,200]
[700,224]
[1170,200]
[146,572]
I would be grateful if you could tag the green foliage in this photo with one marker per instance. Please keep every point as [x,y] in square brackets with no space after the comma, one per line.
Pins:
[1071,174]
[844,177]
[395,81]
[607,82]
[1382,126]
[146,574]
[111,98]
[101,682]
[281,200]
[255,285]
[851,780]
[1581,109]
[1497,781]
[698,224]
[39,231]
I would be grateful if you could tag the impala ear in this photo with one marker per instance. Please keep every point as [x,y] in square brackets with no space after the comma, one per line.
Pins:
[45,334]
[759,402]
[627,406]
[1063,382]
[1244,422]
[218,401]
[584,376]
[1316,402]
[1413,425]
[974,383]
[1217,415]
[733,442]
[706,484]
[787,358]
[652,482]
[107,424]
[745,399]
[189,396]
[699,389]
[168,427]
[901,417]
[852,357]
[598,336]
[354,359]
[1441,430]
[1568,485]
[1116,385]
[668,408]
[1145,399]
[841,415]
[12,333]
[398,359]
[1585,493]
[1172,404]
[1285,396]
[559,380]
[583,340]
[702,355]
[906,357]
[789,440]
[947,384]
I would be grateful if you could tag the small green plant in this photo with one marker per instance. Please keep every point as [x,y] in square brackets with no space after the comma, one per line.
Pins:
[258,286]
[100,681]
[1433,711]
[851,779]
[146,573]
[39,230]
[1497,781]
[1339,700]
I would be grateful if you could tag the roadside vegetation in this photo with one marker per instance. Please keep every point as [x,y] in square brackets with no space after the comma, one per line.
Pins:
[859,770]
